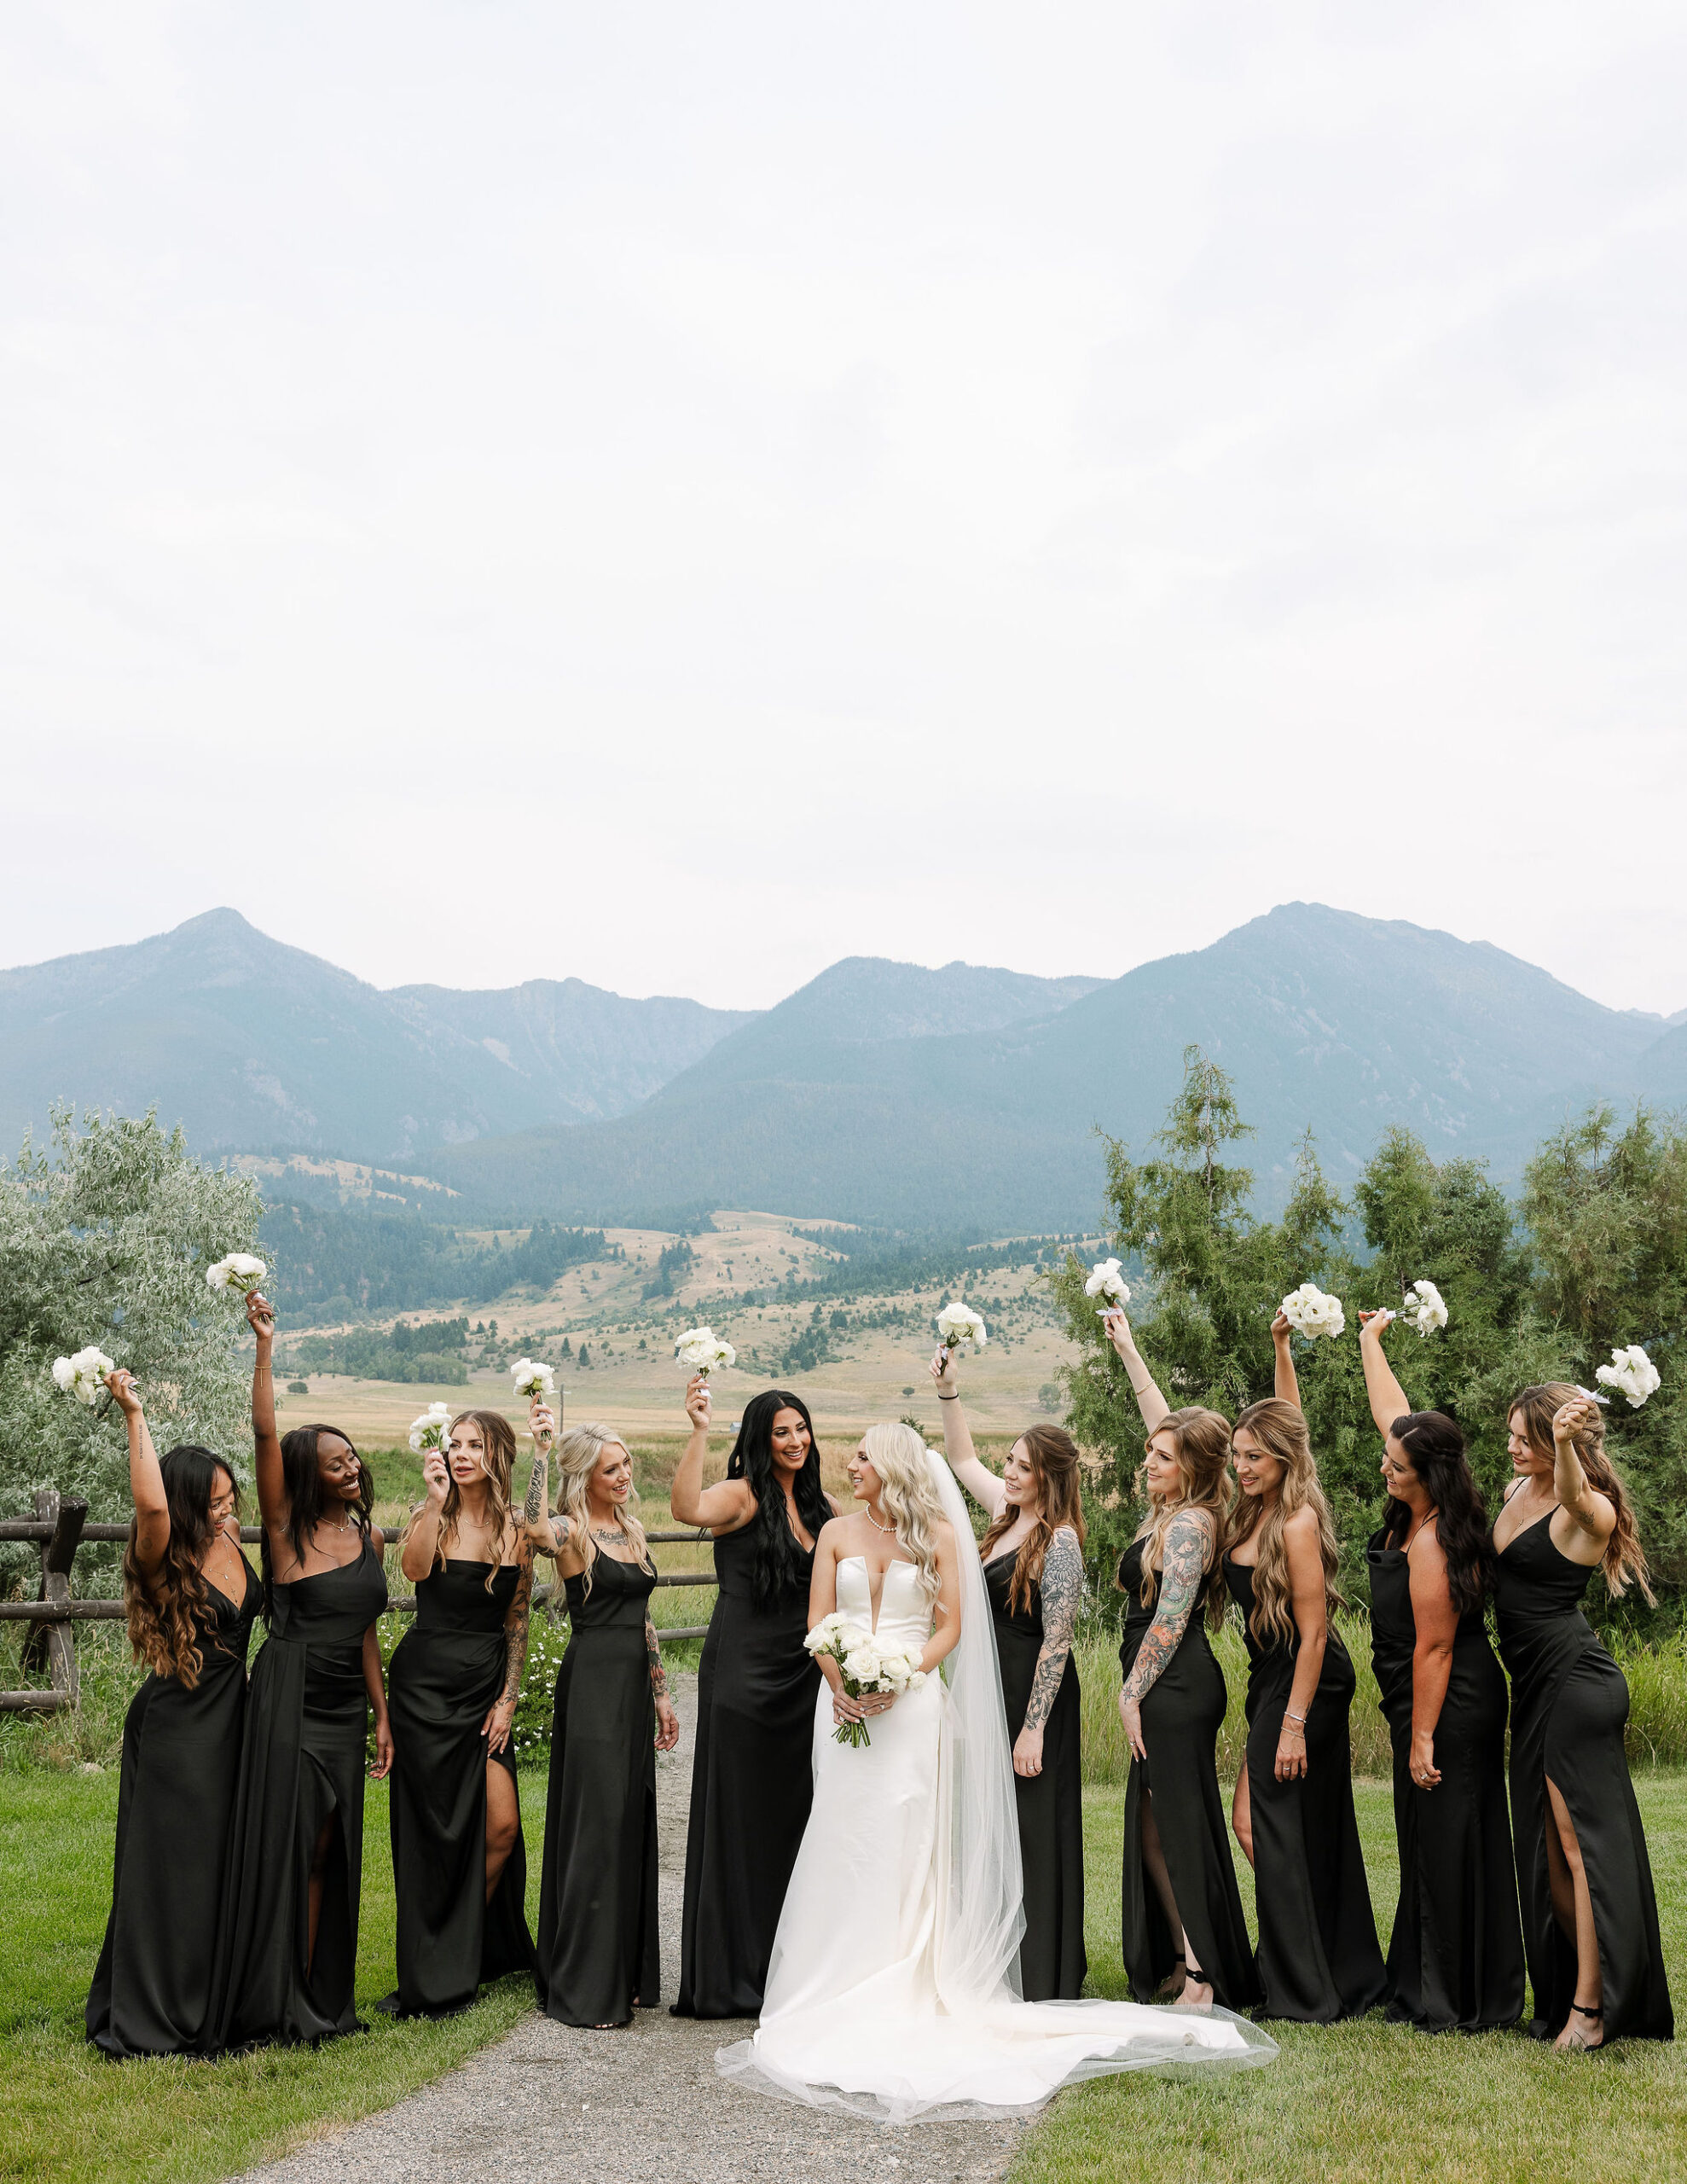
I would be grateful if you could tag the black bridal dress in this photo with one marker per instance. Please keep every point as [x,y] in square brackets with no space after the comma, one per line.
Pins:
[1182,1715]
[1318,1958]
[445,1675]
[1455,1956]
[1052,1958]
[152,1990]
[1568,1706]
[600,1947]
[306,1728]
[751,1785]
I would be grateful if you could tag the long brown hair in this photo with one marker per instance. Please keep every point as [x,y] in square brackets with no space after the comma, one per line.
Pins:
[162,1612]
[1201,1447]
[1281,1431]
[1624,1557]
[1059,1481]
[497,1441]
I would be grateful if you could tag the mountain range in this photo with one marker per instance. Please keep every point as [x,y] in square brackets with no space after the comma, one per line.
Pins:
[880,1092]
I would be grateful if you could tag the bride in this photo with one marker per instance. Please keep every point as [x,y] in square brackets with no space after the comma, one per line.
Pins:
[893,1989]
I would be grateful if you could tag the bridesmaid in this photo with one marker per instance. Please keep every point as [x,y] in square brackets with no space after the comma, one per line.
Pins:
[296,1870]
[1293,1810]
[1034,1572]
[1590,1917]
[600,1954]
[1455,1956]
[459,1864]
[1184,1935]
[752,1778]
[191,1596]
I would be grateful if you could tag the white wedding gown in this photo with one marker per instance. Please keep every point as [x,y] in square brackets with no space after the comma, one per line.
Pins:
[892,1990]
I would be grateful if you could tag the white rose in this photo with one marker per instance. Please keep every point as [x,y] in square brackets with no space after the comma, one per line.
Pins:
[1106,1281]
[960,1328]
[533,1379]
[1311,1311]
[64,1373]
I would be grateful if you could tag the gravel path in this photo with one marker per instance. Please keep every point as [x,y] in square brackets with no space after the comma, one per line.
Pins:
[642,2106]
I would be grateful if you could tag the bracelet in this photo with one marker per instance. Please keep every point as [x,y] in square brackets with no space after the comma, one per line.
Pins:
[1300,1718]
[941,1398]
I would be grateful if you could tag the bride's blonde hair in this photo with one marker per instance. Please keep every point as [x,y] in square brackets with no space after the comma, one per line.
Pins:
[909,1498]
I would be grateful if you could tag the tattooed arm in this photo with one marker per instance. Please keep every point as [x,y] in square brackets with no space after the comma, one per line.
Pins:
[537,1529]
[1063,1589]
[666,1720]
[496,1728]
[1189,1541]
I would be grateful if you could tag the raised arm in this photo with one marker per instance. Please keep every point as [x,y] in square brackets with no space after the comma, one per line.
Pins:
[1188,1547]
[496,1728]
[1589,1510]
[1387,1398]
[1436,1623]
[420,1549]
[1149,1400]
[984,1487]
[543,1533]
[146,1480]
[272,1499]
[1284,1386]
[723,1509]
[1062,1586]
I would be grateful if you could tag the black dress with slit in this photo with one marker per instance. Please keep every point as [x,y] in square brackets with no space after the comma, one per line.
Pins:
[1182,1714]
[1569,1702]
[446,1673]
[1318,1958]
[1051,1805]
[301,1769]
[599,1947]
[751,1784]
[1456,1954]
[152,1990]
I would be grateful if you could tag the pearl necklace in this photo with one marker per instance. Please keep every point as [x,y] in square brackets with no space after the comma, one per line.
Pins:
[888,1530]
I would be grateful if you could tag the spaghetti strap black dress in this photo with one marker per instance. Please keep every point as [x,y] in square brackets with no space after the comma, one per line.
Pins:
[1052,1958]
[152,1990]
[1182,1717]
[1456,1954]
[751,1785]
[599,1947]
[1318,1958]
[445,1674]
[306,1726]
[1569,1702]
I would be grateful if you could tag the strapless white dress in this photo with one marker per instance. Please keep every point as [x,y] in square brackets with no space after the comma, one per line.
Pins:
[853,2017]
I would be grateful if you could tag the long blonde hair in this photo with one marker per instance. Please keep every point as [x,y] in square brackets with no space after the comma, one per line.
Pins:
[497,1444]
[578,1456]
[909,1498]
[1624,1557]
[1201,1449]
[1060,1482]
[1281,1431]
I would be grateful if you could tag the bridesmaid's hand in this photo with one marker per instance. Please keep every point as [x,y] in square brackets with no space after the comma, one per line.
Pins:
[260,1315]
[1372,1326]
[1424,1772]
[1028,1752]
[944,1372]
[1130,1713]
[121,1382]
[666,1725]
[383,1766]
[698,1402]
[435,1476]
[496,1728]
[1281,1330]
[542,1422]
[1118,1329]
[1291,1750]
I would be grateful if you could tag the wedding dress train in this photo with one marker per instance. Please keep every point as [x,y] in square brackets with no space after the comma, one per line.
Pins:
[892,1991]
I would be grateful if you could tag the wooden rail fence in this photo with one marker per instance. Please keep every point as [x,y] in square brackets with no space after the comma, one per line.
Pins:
[60,1528]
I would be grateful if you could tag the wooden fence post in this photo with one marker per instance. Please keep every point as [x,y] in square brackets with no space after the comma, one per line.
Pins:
[56,1641]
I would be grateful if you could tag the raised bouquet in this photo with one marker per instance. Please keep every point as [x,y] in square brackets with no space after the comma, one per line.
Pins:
[867,1664]
[1106,1282]
[532,1379]
[83,1376]
[1632,1373]
[241,1271]
[1311,1310]
[700,1350]
[1423,1308]
[430,1430]
[959,1327]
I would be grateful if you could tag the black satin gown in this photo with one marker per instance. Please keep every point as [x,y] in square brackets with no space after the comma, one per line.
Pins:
[1051,1805]
[446,1673]
[306,1728]
[1182,1717]
[1318,1958]
[1569,1702]
[152,1990]
[1456,1954]
[599,1947]
[751,1785]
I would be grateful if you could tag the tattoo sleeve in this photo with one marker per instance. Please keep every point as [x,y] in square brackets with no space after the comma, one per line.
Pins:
[659,1674]
[515,1635]
[538,1485]
[1184,1564]
[1063,1589]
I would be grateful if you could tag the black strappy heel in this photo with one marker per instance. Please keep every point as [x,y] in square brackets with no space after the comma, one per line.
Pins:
[1590,2047]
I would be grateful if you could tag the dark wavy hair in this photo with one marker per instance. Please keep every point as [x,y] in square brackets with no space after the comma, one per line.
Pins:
[307,1507]
[163,1626]
[1435,1448]
[776,1575]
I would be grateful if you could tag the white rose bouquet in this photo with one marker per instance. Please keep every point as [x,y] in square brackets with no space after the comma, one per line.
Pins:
[866,1664]
[532,1379]
[240,1271]
[959,1327]
[1105,1280]
[429,1430]
[1631,1372]
[83,1376]
[1423,1308]
[1310,1311]
[700,1350]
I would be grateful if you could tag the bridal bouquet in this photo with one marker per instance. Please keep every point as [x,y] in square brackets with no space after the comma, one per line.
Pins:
[867,1664]
[240,1270]
[533,1379]
[429,1430]
[1423,1309]
[1630,1371]
[1310,1311]
[700,1350]
[959,1327]
[1106,1281]
[83,1376]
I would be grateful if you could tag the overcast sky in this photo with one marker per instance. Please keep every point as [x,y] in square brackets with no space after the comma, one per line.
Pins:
[675,495]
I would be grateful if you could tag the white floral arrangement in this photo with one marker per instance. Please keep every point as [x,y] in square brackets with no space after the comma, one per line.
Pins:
[867,1666]
[1311,1311]
[1423,1308]
[1632,1373]
[959,1327]
[700,1350]
[83,1376]
[1106,1281]
[532,1379]
[241,1271]
[429,1430]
